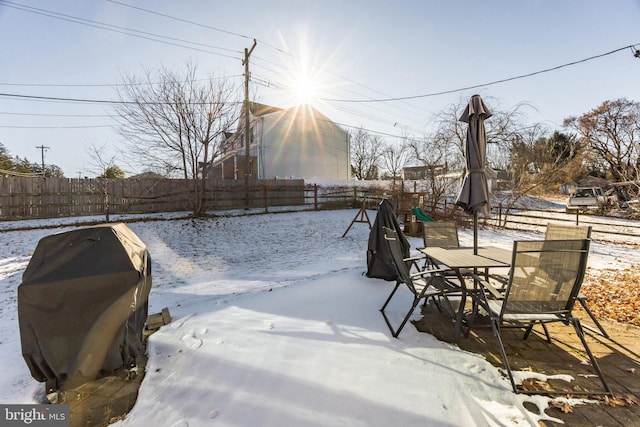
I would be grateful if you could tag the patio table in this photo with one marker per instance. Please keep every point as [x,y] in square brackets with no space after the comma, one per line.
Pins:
[459,259]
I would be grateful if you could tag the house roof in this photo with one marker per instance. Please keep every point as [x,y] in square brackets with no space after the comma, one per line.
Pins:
[147,175]
[258,109]
[594,181]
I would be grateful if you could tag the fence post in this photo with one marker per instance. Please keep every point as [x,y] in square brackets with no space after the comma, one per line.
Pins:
[266,201]
[315,196]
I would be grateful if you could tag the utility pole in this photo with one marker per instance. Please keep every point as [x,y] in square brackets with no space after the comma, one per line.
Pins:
[42,148]
[247,140]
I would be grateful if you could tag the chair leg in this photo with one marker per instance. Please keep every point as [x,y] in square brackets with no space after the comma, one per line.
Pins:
[546,332]
[578,327]
[386,319]
[496,332]
[416,301]
[406,318]
[583,302]
[529,328]
[436,301]
[390,296]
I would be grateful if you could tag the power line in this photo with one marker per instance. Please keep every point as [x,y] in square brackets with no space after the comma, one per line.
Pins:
[55,115]
[62,99]
[372,100]
[103,101]
[117,29]
[104,84]
[403,98]
[128,31]
[55,127]
[231,33]
[198,24]
[234,34]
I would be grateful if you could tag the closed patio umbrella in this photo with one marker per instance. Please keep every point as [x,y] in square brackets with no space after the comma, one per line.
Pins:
[474,194]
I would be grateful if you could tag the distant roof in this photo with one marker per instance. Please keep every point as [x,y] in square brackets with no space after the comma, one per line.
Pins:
[594,181]
[258,109]
[147,175]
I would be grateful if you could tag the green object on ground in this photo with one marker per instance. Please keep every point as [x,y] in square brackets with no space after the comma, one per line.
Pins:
[421,215]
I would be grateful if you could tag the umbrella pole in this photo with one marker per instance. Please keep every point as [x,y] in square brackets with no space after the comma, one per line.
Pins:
[475,233]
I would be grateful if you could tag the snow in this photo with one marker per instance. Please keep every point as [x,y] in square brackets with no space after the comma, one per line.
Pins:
[275,324]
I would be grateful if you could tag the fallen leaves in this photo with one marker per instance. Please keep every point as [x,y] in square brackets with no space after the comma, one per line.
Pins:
[620,401]
[613,294]
[529,384]
[564,406]
[533,384]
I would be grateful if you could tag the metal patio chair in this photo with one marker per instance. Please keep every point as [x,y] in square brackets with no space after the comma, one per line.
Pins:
[423,284]
[557,231]
[443,234]
[543,285]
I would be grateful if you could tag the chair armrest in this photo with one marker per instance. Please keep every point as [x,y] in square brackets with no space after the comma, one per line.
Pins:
[413,261]
[500,278]
[489,287]
[414,258]
[430,272]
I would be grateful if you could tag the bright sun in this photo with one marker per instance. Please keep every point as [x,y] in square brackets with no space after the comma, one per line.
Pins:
[305,77]
[305,90]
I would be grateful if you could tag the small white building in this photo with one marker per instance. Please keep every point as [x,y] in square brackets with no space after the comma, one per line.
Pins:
[298,142]
[455,179]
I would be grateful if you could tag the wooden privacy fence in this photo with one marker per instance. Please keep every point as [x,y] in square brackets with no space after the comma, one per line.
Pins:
[30,198]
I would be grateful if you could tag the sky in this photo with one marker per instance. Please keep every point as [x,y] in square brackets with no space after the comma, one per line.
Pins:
[294,338]
[357,54]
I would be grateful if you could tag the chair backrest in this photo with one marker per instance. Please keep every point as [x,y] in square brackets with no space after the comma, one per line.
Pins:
[391,236]
[442,234]
[545,276]
[557,231]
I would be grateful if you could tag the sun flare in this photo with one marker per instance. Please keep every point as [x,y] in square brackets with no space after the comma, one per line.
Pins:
[305,90]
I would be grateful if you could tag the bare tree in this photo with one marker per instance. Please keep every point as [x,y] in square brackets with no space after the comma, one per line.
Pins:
[508,141]
[502,127]
[394,158]
[175,122]
[611,133]
[366,151]
[100,165]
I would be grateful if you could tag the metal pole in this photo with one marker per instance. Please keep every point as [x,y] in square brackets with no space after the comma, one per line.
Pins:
[42,148]
[475,233]
[247,140]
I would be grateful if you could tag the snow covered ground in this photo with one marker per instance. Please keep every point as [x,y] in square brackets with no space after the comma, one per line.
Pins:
[274,324]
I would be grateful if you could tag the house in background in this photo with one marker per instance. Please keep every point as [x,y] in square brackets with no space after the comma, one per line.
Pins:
[298,142]
[455,179]
[417,173]
[451,180]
